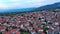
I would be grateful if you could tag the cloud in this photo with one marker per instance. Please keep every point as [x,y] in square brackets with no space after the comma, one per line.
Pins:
[8,4]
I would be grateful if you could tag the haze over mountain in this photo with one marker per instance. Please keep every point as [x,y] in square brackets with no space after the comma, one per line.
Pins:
[46,7]
[18,4]
[26,5]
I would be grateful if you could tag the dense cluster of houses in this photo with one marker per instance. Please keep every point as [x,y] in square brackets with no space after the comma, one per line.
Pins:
[33,22]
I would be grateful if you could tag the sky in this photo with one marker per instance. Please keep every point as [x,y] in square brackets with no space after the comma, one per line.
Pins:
[17,4]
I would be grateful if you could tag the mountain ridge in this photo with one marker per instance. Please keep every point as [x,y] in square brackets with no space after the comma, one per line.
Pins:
[46,7]
[52,6]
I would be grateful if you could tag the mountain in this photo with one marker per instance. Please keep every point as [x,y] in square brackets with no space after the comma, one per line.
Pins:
[47,7]
[52,6]
[17,10]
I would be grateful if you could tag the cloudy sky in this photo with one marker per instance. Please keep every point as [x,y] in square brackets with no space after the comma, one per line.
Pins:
[9,4]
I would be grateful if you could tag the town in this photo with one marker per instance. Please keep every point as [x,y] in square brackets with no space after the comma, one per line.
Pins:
[39,22]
